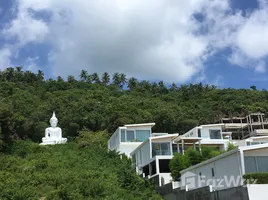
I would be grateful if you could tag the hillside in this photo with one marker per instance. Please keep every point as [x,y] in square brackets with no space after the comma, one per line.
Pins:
[89,111]
[81,170]
[104,103]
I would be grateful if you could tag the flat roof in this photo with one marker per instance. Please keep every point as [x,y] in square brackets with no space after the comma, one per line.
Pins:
[186,139]
[164,136]
[144,124]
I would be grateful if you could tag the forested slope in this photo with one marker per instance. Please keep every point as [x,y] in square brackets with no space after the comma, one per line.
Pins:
[104,102]
[89,111]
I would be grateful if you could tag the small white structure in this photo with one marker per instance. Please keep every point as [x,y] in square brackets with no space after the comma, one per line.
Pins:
[226,170]
[128,137]
[151,159]
[53,134]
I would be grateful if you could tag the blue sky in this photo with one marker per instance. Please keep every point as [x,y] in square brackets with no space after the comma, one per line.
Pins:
[217,42]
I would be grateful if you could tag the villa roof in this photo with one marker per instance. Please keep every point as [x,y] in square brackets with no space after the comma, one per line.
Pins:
[164,136]
[187,139]
[144,124]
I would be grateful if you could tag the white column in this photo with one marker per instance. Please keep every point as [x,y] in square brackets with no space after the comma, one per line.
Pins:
[157,165]
[182,147]
[242,162]
[199,145]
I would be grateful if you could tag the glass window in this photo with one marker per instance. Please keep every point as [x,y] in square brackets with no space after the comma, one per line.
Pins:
[215,134]
[123,135]
[142,135]
[174,148]
[130,136]
[161,149]
[199,132]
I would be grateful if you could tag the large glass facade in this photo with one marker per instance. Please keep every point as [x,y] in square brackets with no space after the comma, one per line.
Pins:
[142,135]
[130,136]
[161,149]
[134,135]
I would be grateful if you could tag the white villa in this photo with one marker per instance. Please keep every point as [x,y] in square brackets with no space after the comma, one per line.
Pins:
[127,138]
[226,170]
[152,152]
[151,158]
[208,135]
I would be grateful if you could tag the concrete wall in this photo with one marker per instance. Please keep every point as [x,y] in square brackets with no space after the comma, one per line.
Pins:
[128,147]
[238,193]
[258,192]
[227,173]
[167,178]
[205,130]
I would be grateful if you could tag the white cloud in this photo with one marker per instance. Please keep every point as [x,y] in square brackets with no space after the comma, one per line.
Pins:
[31,64]
[5,56]
[153,39]
[26,29]
[240,59]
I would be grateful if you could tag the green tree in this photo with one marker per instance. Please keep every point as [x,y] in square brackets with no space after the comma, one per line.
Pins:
[177,163]
[105,78]
[83,75]
[132,83]
[194,156]
[116,79]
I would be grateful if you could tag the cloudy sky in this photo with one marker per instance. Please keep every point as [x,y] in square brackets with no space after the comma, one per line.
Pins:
[214,41]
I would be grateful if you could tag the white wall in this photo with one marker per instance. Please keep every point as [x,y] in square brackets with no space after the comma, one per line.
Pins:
[226,169]
[205,130]
[258,191]
[128,147]
[167,178]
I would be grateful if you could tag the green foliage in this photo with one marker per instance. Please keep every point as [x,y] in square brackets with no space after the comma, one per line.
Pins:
[256,178]
[209,152]
[178,162]
[231,146]
[68,171]
[194,156]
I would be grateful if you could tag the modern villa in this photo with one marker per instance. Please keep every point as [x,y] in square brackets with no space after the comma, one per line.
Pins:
[128,137]
[151,158]
[152,152]
[241,160]
[208,135]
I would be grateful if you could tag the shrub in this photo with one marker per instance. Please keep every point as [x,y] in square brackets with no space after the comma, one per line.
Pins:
[178,162]
[194,156]
[256,178]
[231,146]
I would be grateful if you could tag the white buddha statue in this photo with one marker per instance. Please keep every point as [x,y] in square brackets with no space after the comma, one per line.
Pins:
[53,134]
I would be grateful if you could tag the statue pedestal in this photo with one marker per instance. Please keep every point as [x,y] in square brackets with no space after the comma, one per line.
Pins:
[53,141]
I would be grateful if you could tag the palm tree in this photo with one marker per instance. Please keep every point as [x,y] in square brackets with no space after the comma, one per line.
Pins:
[105,78]
[71,79]
[9,74]
[18,73]
[116,79]
[83,75]
[29,77]
[173,87]
[40,75]
[60,79]
[95,78]
[145,85]
[123,80]
[132,83]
